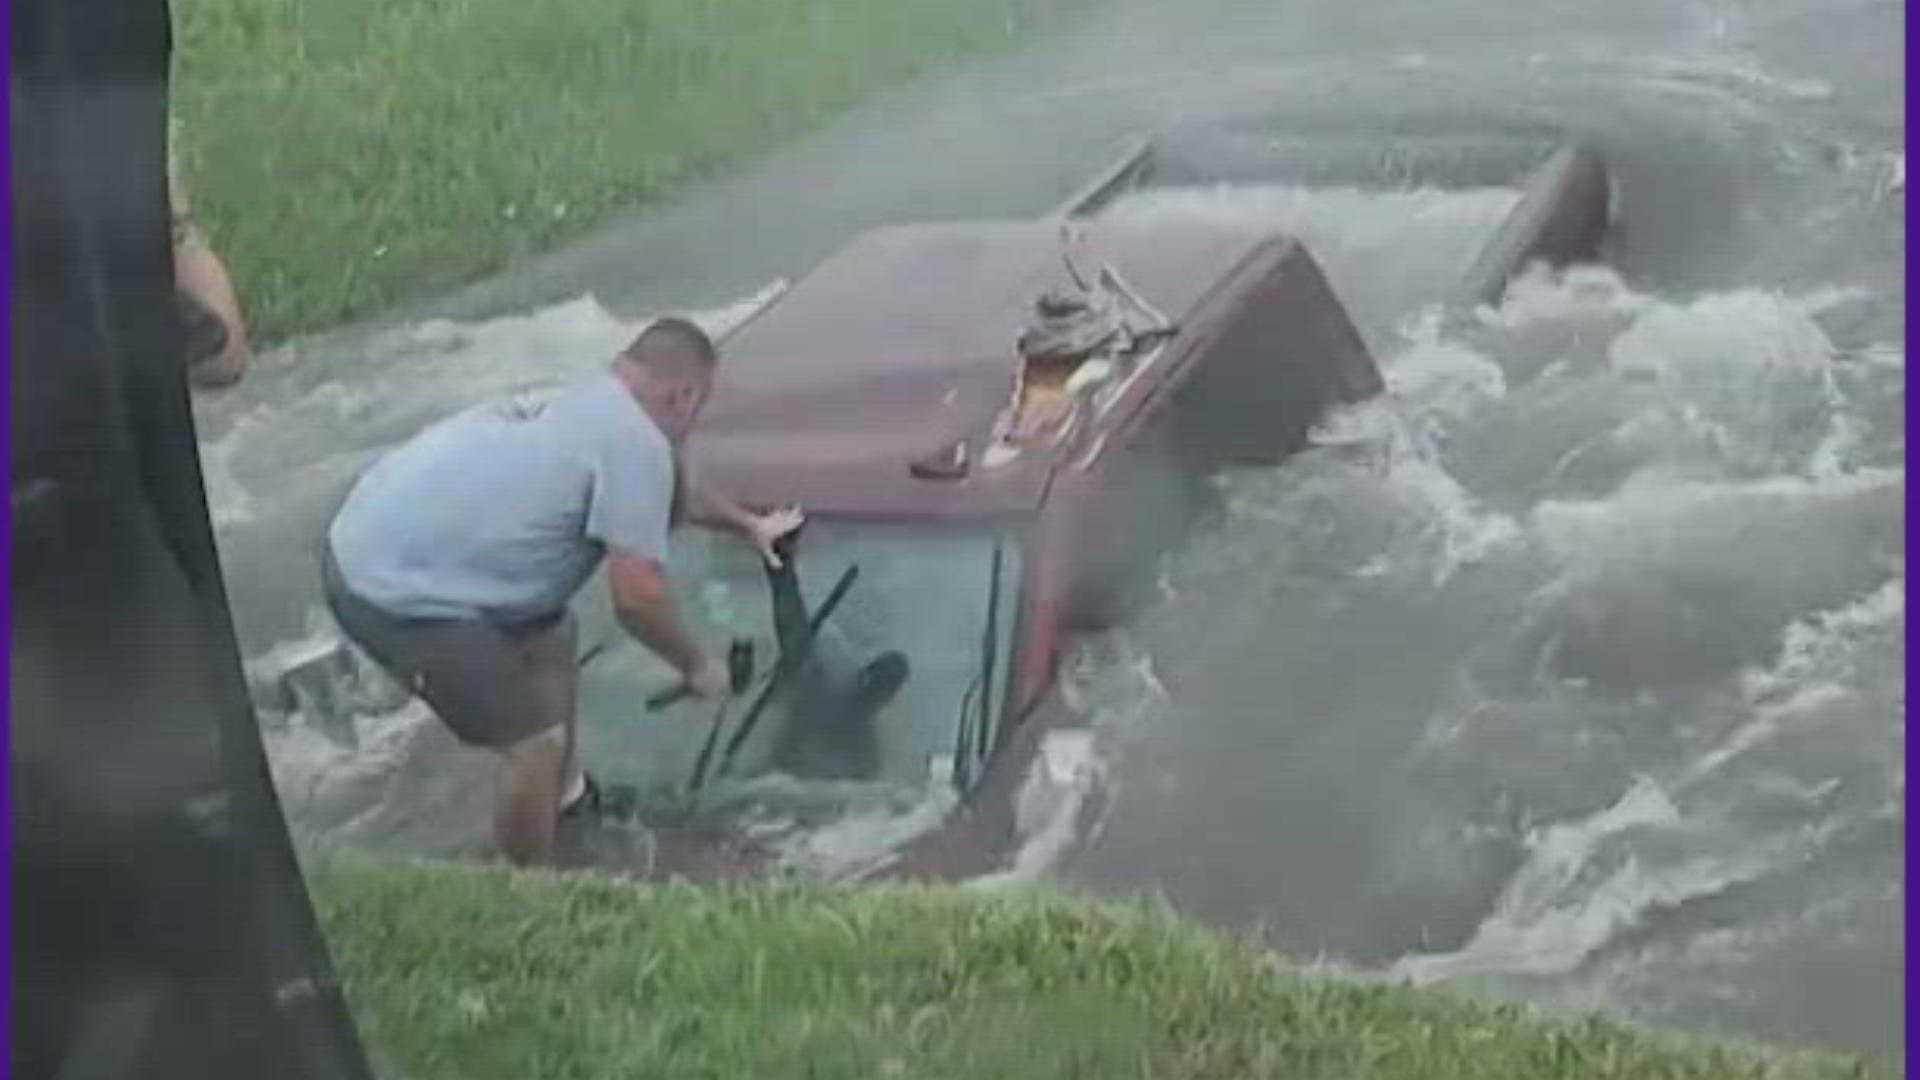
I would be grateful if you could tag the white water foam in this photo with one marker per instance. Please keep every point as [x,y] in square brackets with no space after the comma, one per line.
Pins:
[1110,682]
[1431,386]
[1585,882]
[1657,517]
[839,831]
[1817,669]
[1573,295]
[1386,253]
[407,785]
[1747,370]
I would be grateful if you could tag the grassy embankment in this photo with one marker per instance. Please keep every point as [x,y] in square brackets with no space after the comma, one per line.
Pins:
[348,154]
[474,973]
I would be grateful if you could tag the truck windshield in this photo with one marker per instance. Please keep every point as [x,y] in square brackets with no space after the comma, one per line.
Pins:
[903,683]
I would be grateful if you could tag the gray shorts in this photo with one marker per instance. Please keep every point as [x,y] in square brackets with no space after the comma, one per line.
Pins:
[476,674]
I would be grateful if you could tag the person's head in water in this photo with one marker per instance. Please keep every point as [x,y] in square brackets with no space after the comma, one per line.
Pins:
[833,725]
[669,370]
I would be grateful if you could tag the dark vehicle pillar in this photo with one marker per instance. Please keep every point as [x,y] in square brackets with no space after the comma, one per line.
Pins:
[161,926]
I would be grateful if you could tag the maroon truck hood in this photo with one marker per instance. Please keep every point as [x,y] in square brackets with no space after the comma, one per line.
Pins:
[903,343]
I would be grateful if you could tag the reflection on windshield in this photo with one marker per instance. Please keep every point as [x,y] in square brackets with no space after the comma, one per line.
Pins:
[904,673]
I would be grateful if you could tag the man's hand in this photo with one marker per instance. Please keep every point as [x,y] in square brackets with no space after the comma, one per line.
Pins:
[764,529]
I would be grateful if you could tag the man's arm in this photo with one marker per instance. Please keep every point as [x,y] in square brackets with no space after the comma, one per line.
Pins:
[199,271]
[629,510]
[643,603]
[710,509]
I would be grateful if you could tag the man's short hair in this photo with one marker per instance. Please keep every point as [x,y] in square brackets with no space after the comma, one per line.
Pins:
[680,337]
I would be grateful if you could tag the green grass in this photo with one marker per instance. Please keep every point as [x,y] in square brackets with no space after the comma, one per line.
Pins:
[346,154]
[473,973]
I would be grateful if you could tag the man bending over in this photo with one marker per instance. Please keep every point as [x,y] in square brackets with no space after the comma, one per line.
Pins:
[454,559]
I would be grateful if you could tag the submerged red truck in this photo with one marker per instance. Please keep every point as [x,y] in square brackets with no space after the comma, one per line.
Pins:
[995,427]
[993,500]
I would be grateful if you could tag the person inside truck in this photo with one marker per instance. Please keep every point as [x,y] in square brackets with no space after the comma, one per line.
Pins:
[454,559]
[834,705]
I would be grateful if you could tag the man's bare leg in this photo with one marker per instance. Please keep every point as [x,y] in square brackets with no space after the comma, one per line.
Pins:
[529,796]
[536,773]
[557,681]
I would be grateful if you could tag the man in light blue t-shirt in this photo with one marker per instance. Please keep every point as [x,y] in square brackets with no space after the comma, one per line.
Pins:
[454,558]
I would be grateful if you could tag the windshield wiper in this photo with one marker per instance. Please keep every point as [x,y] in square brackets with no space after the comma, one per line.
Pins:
[974,746]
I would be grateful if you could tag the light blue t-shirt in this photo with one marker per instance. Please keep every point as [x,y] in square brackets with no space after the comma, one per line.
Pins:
[506,509]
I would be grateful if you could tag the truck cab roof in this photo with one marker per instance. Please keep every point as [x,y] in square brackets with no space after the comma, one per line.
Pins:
[904,343]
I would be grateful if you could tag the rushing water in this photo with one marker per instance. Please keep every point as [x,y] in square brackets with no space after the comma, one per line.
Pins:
[1587,681]
[1572,667]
